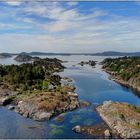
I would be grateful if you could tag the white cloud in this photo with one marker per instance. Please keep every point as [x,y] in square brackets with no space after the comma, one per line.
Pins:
[73,3]
[13,2]
[70,30]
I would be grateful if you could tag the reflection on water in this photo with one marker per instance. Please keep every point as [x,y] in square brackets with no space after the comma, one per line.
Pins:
[91,85]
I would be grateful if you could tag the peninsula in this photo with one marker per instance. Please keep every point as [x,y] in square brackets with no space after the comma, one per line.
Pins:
[124,70]
[35,89]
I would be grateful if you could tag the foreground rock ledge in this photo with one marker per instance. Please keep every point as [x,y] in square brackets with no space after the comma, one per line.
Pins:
[122,118]
[45,105]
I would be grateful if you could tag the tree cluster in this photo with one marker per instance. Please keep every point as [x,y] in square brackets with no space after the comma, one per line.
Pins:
[28,76]
[125,67]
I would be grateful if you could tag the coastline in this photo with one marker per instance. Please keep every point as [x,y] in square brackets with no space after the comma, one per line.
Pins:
[129,84]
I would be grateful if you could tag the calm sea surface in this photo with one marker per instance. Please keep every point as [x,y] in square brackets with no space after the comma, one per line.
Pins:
[92,84]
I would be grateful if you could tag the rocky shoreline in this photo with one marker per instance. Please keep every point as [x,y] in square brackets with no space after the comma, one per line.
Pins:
[124,70]
[41,105]
[122,118]
[131,83]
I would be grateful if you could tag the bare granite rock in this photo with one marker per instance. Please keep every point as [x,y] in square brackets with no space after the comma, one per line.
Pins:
[45,105]
[107,133]
[122,118]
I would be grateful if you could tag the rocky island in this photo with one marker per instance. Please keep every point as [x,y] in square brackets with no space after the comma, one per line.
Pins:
[122,118]
[124,70]
[34,89]
[90,63]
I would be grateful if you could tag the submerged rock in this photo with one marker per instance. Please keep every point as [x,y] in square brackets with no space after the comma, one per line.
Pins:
[59,118]
[122,118]
[95,131]
[84,103]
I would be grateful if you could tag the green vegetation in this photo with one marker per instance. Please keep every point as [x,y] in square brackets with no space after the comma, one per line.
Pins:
[136,108]
[124,67]
[37,75]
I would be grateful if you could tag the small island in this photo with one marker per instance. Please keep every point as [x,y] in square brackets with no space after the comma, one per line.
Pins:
[90,63]
[124,70]
[35,89]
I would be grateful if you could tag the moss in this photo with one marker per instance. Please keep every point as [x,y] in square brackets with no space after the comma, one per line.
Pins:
[56,130]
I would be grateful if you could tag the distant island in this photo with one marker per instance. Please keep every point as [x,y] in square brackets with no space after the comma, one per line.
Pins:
[106,53]
[23,57]
[90,63]
[5,55]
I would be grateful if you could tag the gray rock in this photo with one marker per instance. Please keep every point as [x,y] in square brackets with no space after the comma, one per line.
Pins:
[5,100]
[77,128]
[34,111]
[11,107]
[43,116]
[122,118]
[107,133]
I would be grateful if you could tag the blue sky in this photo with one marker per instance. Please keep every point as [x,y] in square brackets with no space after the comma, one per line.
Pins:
[69,26]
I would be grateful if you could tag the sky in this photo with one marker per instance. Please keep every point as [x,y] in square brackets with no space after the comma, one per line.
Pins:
[66,27]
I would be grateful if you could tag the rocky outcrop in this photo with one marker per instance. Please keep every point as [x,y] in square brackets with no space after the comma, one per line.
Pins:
[45,105]
[11,107]
[96,131]
[107,133]
[122,118]
[6,96]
